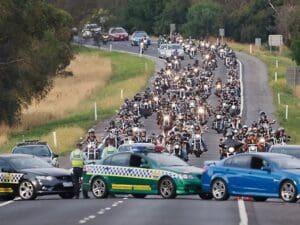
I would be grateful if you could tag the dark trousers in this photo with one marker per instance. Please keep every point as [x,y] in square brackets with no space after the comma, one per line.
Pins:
[77,174]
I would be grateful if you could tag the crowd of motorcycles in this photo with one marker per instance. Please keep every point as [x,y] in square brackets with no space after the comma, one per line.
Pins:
[178,98]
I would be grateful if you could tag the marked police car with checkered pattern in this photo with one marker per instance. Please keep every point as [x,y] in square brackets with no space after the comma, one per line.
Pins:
[28,176]
[141,174]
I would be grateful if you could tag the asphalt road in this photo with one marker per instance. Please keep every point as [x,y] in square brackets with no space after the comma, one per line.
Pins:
[123,210]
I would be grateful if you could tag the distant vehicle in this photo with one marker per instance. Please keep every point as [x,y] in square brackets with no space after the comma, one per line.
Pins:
[118,34]
[137,147]
[141,174]
[28,176]
[293,150]
[93,27]
[167,50]
[137,36]
[39,149]
[259,175]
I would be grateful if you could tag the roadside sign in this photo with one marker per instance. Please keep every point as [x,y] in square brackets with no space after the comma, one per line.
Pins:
[258,42]
[172,29]
[275,40]
[222,32]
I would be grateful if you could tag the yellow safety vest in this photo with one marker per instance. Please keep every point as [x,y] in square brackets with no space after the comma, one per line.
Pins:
[77,159]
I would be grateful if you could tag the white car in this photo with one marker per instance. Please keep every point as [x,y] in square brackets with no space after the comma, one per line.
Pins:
[167,50]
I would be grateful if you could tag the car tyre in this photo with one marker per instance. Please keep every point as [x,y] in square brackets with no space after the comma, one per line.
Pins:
[67,195]
[219,190]
[288,191]
[99,188]
[27,190]
[139,195]
[206,196]
[167,188]
[260,199]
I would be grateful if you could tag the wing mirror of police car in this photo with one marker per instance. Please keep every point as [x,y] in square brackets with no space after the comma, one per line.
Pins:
[145,166]
[55,155]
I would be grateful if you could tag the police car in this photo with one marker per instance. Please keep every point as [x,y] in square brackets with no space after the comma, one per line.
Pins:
[142,174]
[28,176]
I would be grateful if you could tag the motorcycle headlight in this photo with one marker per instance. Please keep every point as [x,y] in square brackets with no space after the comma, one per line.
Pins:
[195,70]
[218,86]
[262,140]
[219,117]
[176,146]
[168,72]
[233,107]
[166,117]
[200,110]
[176,78]
[49,178]
[155,98]
[207,57]
[231,149]
[197,136]
[252,148]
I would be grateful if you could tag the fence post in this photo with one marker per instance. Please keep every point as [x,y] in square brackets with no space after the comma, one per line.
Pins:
[95,111]
[54,138]
[276,63]
[286,112]
[276,76]
[250,49]
[122,94]
[110,47]
[278,96]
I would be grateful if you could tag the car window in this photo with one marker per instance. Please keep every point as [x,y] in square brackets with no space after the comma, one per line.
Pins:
[120,160]
[21,163]
[257,163]
[137,161]
[4,166]
[36,150]
[287,150]
[241,161]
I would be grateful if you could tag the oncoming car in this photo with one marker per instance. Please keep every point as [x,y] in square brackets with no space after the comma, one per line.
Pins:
[39,149]
[118,34]
[28,176]
[137,147]
[137,36]
[259,175]
[141,174]
[167,50]
[293,150]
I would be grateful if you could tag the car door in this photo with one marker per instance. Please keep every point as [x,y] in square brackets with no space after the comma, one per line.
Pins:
[261,182]
[119,173]
[140,174]
[235,170]
[8,179]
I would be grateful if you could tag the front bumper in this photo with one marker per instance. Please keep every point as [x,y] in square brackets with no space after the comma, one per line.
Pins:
[188,186]
[55,186]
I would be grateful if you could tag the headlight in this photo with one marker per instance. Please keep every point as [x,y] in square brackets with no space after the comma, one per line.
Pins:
[195,70]
[219,117]
[155,98]
[49,178]
[231,149]
[135,129]
[192,104]
[197,136]
[176,146]
[218,86]
[166,117]
[207,57]
[262,140]
[187,176]
[168,72]
[253,148]
[200,110]
[176,78]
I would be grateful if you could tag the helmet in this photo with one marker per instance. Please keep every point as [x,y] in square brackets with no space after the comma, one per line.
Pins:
[229,134]
[92,130]
[245,127]
[280,129]
[262,113]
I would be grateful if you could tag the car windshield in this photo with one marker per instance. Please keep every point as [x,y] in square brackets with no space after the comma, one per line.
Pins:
[289,151]
[118,30]
[140,34]
[175,46]
[163,160]
[143,148]
[286,162]
[21,163]
[36,150]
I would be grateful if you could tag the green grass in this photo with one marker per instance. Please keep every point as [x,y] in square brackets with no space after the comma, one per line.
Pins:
[128,73]
[287,94]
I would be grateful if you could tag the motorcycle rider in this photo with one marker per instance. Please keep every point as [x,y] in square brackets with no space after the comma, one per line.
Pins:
[109,149]
[197,130]
[230,142]
[92,137]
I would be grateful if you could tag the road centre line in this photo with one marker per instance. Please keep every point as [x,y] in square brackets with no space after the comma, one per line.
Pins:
[243,213]
[6,203]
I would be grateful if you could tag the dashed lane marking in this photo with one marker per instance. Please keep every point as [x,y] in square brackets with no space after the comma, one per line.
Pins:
[242,212]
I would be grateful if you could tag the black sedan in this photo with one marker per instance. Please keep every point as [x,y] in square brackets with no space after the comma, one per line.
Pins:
[28,176]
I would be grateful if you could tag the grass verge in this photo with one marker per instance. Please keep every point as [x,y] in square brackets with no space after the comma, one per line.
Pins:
[288,95]
[129,73]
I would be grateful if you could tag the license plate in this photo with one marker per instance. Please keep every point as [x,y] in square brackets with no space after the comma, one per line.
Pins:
[67,184]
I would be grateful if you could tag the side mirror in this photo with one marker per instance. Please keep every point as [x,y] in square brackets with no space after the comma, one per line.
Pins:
[145,166]
[266,168]
[54,155]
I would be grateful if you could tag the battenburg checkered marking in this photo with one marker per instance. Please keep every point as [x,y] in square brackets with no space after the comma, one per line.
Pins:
[10,178]
[128,172]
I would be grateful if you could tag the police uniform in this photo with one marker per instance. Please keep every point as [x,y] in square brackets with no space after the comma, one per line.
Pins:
[77,161]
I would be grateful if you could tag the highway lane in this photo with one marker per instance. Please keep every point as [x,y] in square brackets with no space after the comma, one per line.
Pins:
[154,210]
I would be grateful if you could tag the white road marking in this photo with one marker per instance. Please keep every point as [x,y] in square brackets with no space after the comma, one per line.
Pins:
[107,208]
[120,202]
[92,217]
[115,204]
[243,213]
[100,212]
[82,221]
[6,203]
[125,198]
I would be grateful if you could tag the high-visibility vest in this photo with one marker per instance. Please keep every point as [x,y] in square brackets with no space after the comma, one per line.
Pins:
[77,159]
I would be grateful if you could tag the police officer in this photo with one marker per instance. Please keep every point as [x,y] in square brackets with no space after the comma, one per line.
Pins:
[77,161]
[110,149]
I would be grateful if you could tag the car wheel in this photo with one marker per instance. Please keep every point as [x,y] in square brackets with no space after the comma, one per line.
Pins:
[67,195]
[288,192]
[167,188]
[206,196]
[219,190]
[99,188]
[27,190]
[260,199]
[139,195]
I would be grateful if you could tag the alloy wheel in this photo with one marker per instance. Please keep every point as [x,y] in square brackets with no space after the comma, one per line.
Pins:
[219,190]
[99,188]
[167,188]
[26,190]
[288,192]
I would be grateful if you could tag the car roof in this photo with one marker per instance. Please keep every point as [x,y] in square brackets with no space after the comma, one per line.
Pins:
[8,156]
[32,142]
[138,144]
[285,147]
